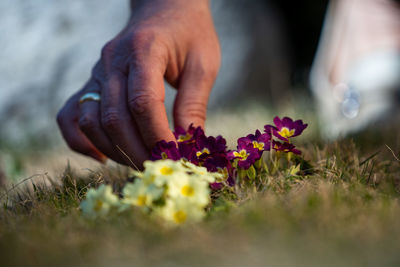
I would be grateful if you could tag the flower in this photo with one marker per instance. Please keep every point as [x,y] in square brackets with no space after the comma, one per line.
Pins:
[262,142]
[99,202]
[220,164]
[180,211]
[165,150]
[201,172]
[285,147]
[161,171]
[188,136]
[193,146]
[285,128]
[188,152]
[140,194]
[245,154]
[191,189]
[207,146]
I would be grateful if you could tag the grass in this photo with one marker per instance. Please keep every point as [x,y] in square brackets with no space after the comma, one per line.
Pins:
[344,211]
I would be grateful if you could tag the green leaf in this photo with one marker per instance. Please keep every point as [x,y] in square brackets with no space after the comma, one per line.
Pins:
[294,170]
[251,172]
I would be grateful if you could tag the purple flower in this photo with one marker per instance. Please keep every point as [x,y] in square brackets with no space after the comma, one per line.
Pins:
[285,128]
[262,142]
[216,162]
[219,163]
[188,136]
[188,152]
[285,147]
[207,146]
[245,154]
[165,150]
[187,142]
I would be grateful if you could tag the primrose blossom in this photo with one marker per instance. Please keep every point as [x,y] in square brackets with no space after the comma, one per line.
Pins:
[285,128]
[99,202]
[245,155]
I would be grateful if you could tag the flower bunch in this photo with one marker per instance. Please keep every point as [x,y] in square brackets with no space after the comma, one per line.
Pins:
[250,148]
[177,191]
[211,152]
[176,185]
[195,147]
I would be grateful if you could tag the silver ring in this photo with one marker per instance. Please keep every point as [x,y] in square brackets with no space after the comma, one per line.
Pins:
[92,96]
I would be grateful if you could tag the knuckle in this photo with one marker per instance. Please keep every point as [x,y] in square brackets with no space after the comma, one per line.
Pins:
[108,49]
[114,57]
[145,43]
[111,121]
[143,37]
[86,123]
[213,72]
[193,109]
[142,103]
[204,71]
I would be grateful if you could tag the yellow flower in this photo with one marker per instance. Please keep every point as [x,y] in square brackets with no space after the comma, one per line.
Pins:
[180,211]
[99,202]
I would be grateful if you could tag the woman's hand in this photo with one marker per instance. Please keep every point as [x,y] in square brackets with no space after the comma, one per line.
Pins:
[171,39]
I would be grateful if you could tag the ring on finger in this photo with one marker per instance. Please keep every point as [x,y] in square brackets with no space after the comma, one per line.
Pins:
[91,96]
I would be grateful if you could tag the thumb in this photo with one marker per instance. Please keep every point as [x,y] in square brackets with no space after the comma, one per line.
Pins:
[192,98]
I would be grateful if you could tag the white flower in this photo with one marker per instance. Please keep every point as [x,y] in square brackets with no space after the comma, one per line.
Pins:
[196,191]
[140,194]
[161,172]
[180,211]
[200,172]
[99,202]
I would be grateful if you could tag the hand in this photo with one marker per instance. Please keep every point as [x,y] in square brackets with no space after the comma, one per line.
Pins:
[171,39]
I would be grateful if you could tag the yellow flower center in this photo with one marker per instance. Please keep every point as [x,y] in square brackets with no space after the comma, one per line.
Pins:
[259,146]
[187,191]
[242,155]
[285,132]
[164,155]
[141,200]
[98,205]
[204,151]
[183,138]
[166,170]
[180,217]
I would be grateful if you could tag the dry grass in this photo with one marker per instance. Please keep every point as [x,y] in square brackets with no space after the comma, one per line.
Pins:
[343,211]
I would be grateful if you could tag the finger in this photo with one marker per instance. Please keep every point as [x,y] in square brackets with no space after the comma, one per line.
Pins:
[118,122]
[67,120]
[146,94]
[89,123]
[192,98]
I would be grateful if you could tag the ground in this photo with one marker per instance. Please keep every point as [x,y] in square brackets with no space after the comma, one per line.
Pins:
[343,210]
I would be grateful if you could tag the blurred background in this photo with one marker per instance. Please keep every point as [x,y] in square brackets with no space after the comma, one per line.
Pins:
[48,48]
